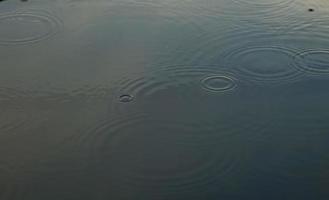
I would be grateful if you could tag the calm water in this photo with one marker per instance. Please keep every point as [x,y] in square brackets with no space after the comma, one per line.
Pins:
[164,100]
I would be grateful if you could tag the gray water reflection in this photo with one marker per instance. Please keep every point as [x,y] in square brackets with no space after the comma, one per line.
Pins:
[149,99]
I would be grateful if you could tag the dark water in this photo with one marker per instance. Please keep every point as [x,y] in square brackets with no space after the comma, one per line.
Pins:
[170,99]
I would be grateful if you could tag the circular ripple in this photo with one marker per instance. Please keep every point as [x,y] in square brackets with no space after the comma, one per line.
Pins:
[258,11]
[264,63]
[182,90]
[315,61]
[175,84]
[218,83]
[125,98]
[205,77]
[192,92]
[159,155]
[26,27]
[265,2]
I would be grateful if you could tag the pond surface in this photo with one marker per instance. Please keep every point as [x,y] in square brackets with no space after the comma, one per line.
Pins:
[159,100]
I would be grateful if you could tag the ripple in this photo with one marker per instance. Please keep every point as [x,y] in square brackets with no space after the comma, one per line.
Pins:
[211,78]
[310,31]
[143,84]
[265,2]
[196,93]
[161,156]
[273,64]
[314,61]
[218,83]
[27,27]
[252,11]
[125,98]
[175,84]
[204,78]
[211,48]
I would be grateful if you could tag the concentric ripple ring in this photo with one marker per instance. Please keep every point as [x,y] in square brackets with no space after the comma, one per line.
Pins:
[313,61]
[264,63]
[264,2]
[218,83]
[27,27]
[136,149]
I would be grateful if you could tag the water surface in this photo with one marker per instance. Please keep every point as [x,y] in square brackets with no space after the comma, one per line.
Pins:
[150,99]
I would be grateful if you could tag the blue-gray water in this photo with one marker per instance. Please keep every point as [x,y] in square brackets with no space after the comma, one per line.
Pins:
[164,100]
